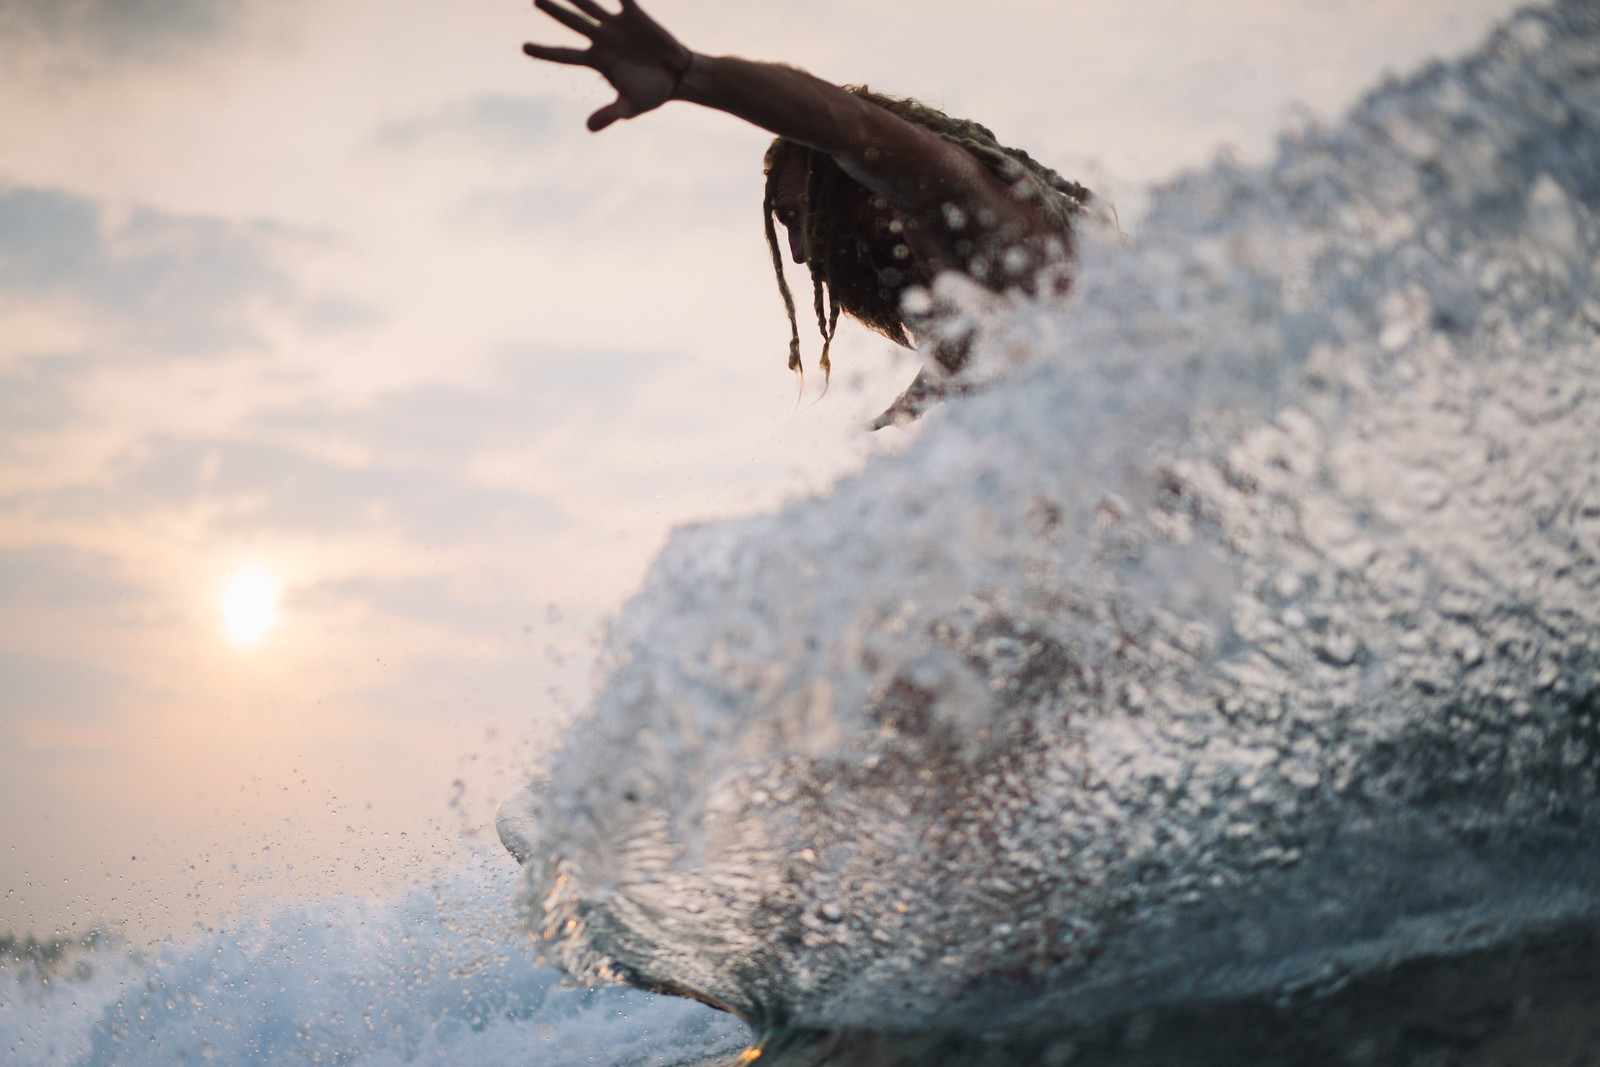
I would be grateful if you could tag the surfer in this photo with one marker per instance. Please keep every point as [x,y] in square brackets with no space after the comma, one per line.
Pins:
[878,194]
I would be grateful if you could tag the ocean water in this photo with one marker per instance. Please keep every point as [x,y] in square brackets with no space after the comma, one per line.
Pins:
[439,975]
[1237,643]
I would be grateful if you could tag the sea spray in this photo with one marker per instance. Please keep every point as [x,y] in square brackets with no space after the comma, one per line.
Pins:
[436,975]
[1245,636]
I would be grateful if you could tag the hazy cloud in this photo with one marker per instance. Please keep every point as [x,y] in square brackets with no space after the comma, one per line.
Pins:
[38,395]
[334,314]
[181,284]
[61,578]
[496,123]
[622,204]
[136,28]
[59,583]
[437,600]
[441,426]
[58,692]
[273,488]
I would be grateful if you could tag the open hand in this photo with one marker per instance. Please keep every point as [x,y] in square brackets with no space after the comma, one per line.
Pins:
[642,61]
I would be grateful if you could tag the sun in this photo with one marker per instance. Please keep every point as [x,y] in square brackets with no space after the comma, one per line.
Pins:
[250,605]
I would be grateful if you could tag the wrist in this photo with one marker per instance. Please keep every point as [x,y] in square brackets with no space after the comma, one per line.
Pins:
[679,66]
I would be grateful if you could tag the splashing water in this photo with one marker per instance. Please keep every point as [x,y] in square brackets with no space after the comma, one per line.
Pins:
[1241,639]
[436,976]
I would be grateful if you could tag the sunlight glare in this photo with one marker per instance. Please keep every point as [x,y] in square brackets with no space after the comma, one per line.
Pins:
[250,605]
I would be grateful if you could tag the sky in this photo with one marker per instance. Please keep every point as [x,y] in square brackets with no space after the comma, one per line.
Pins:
[341,297]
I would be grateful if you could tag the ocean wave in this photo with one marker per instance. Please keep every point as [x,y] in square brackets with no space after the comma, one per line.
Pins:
[437,975]
[1241,637]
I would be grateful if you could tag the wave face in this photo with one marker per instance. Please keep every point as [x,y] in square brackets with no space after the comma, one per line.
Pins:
[1243,636]
[436,976]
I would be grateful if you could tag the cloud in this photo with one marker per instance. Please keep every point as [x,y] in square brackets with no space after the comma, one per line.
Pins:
[275,489]
[40,587]
[37,395]
[125,28]
[660,207]
[401,465]
[532,165]
[47,238]
[422,441]
[44,703]
[536,388]
[334,314]
[445,600]
[494,123]
[180,284]
[405,459]
[62,578]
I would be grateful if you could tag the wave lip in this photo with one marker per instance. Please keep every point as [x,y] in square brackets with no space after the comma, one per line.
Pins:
[1244,640]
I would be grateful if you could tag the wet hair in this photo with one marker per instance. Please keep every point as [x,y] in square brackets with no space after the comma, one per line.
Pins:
[853,266]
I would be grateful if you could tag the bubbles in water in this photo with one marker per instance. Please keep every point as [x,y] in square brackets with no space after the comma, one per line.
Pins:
[440,975]
[1257,587]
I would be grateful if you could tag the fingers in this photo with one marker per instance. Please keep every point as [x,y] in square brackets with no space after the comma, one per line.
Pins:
[574,22]
[618,109]
[575,56]
[592,9]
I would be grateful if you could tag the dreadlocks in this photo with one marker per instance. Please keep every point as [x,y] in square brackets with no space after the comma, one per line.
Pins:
[858,269]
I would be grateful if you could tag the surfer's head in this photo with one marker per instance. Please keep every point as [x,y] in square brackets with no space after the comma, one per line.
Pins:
[840,230]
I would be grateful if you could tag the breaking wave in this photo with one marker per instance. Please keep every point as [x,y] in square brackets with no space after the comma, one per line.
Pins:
[1240,639]
[439,975]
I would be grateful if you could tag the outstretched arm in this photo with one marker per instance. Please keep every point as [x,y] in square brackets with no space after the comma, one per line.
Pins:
[913,169]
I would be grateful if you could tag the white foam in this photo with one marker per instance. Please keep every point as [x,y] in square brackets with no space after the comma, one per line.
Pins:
[1174,611]
[439,975]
